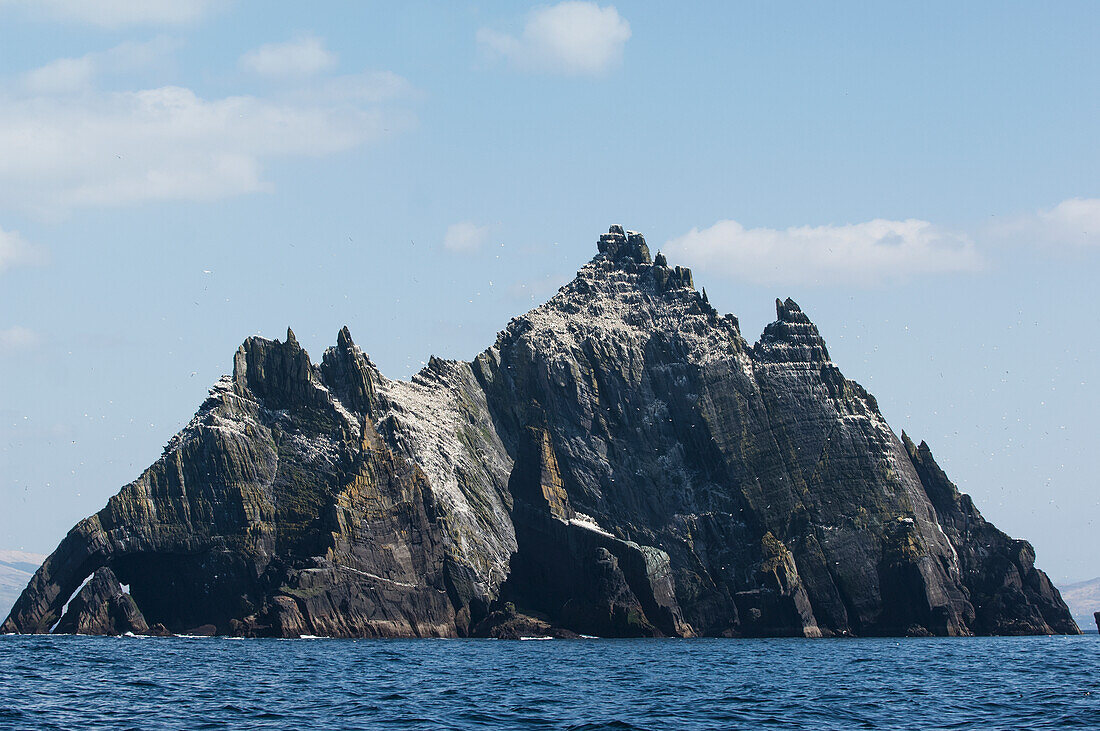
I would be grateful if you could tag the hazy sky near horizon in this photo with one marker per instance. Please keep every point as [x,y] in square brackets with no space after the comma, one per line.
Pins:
[176,175]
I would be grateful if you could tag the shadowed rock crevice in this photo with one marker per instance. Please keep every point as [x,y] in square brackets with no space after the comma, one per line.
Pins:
[571,570]
[621,461]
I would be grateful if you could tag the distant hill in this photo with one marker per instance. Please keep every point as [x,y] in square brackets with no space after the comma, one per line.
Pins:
[16,569]
[1083,599]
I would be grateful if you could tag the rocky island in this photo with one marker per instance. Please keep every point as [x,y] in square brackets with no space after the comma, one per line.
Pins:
[620,462]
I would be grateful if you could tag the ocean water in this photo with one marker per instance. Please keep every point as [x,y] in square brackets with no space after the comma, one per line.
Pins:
[212,683]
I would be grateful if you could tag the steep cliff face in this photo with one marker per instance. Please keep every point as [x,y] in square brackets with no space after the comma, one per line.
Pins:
[620,462]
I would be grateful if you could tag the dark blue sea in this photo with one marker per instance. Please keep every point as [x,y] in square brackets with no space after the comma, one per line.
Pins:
[210,683]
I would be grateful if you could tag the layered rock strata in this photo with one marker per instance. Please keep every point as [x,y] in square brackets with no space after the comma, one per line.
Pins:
[621,462]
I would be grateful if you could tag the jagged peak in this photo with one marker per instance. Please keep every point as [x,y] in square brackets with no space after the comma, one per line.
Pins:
[257,347]
[343,338]
[792,337]
[914,448]
[788,311]
[623,250]
[349,374]
[621,298]
[274,371]
[346,349]
[622,245]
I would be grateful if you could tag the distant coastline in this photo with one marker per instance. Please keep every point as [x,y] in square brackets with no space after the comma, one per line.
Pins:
[1083,600]
[16,569]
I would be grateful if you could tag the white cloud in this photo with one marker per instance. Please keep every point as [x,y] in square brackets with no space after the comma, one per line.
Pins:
[870,253]
[116,13]
[1073,221]
[465,237]
[16,251]
[17,338]
[303,56]
[62,75]
[572,37]
[66,75]
[95,149]
[1072,224]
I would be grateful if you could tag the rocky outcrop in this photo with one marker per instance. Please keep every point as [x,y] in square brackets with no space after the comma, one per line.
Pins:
[508,624]
[102,608]
[620,462]
[275,511]
[998,572]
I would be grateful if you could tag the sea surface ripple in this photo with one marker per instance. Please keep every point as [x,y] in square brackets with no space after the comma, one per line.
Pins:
[214,683]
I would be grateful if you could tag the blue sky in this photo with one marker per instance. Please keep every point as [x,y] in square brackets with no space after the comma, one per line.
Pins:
[176,176]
